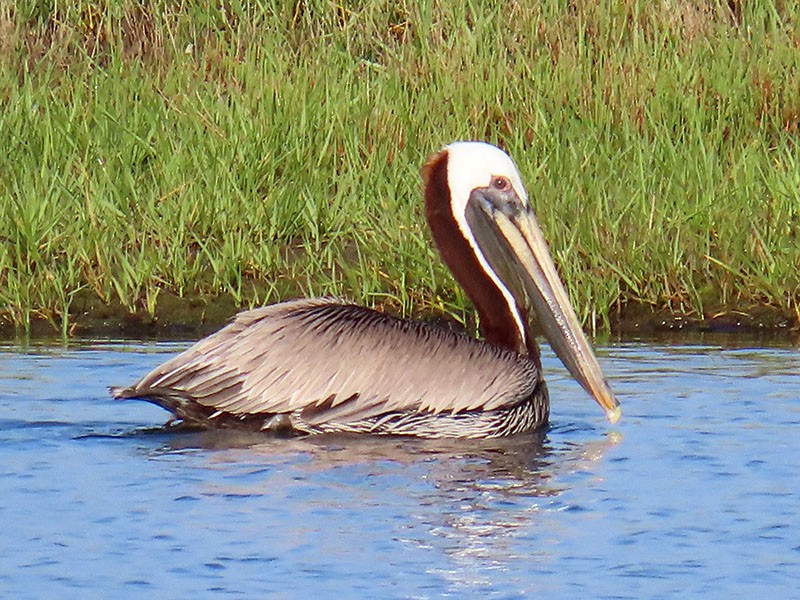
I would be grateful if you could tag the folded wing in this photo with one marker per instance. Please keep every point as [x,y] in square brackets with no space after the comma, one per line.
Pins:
[331,361]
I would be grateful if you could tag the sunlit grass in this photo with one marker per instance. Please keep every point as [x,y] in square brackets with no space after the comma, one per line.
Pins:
[258,151]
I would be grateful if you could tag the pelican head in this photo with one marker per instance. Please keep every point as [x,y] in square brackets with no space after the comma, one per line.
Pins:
[485,229]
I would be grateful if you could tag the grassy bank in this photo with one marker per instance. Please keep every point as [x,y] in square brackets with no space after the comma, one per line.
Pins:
[178,161]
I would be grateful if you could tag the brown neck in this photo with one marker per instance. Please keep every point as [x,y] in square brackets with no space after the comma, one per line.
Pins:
[498,325]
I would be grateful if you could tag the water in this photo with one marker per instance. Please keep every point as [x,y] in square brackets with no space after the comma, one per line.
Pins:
[696,491]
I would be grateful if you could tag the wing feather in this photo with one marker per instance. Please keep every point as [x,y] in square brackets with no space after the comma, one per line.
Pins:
[340,362]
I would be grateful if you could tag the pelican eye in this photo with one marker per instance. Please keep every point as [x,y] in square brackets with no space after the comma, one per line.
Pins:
[501,183]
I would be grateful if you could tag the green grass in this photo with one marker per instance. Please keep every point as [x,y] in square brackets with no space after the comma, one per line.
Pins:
[256,151]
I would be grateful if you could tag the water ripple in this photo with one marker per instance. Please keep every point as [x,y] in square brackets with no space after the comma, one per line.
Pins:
[692,494]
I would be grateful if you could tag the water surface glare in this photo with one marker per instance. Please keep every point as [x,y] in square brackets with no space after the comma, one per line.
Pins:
[695,491]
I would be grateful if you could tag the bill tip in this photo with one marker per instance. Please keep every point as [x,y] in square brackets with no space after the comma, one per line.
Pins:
[614,414]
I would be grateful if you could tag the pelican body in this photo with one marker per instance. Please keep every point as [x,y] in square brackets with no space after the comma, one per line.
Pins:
[322,365]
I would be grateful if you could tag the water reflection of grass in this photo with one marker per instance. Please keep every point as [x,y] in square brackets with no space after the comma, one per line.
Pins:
[154,151]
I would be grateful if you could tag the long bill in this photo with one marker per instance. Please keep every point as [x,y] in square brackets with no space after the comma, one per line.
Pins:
[524,251]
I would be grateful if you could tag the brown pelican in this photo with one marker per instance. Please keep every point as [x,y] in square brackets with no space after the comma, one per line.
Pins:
[323,365]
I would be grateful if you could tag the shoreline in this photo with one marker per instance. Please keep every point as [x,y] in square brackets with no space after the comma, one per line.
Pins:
[192,318]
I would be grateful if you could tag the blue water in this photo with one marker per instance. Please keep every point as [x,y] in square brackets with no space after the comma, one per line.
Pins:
[695,492]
